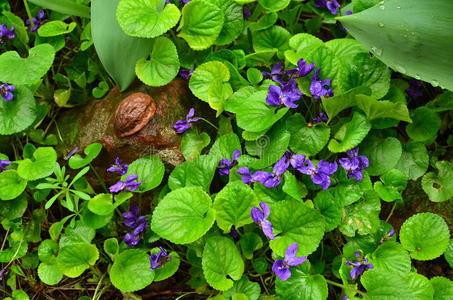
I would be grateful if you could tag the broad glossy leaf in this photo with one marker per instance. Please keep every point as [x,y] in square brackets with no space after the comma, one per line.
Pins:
[162,66]
[439,187]
[423,29]
[414,160]
[393,182]
[272,5]
[183,215]
[390,286]
[75,258]
[41,165]
[334,105]
[244,286]
[275,37]
[362,216]
[67,7]
[131,271]
[201,24]
[302,284]
[350,134]
[91,152]
[264,22]
[55,28]
[216,270]
[377,109]
[224,146]
[233,21]
[383,155]
[15,208]
[425,124]
[294,221]
[19,113]
[250,242]
[302,44]
[18,70]
[293,187]
[11,185]
[111,247]
[252,112]
[233,205]
[150,170]
[351,190]
[193,143]
[50,274]
[330,208]
[449,253]
[169,268]
[198,172]
[443,288]
[425,236]
[146,18]
[305,139]
[117,51]
[391,257]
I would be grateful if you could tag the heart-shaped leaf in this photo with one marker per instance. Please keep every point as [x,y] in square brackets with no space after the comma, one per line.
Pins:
[439,187]
[169,268]
[383,155]
[425,125]
[273,5]
[11,185]
[193,143]
[362,216]
[41,166]
[75,258]
[91,152]
[55,28]
[414,160]
[150,170]
[146,18]
[391,257]
[350,134]
[19,113]
[233,21]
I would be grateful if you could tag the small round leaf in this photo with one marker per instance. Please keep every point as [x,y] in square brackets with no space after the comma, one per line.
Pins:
[11,185]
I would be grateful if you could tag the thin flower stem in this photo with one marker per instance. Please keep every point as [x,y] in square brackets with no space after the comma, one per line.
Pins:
[99,178]
[4,240]
[3,291]
[209,123]
[345,287]
[391,212]
[27,9]
[264,285]
[98,286]
[183,295]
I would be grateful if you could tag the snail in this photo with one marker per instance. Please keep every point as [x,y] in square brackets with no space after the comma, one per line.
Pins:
[133,113]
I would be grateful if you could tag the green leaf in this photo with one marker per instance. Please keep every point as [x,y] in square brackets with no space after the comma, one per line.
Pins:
[47,251]
[443,288]
[162,66]
[81,233]
[302,284]
[50,274]
[361,70]
[449,253]
[101,204]
[117,51]
[11,185]
[18,70]
[362,216]
[225,145]
[168,268]
[390,286]
[41,166]
[294,221]
[231,264]
[15,208]
[75,258]
[183,215]
[334,105]
[423,29]
[91,152]
[201,24]
[19,27]
[111,247]
[350,134]
[67,7]
[306,139]
[393,182]
[330,208]
[275,37]
[272,5]
[254,76]
[131,271]
[145,18]
[193,143]
[244,286]
[391,257]
[55,28]
[414,160]
[259,58]
[425,125]
[18,295]
[351,190]
[439,187]
[233,21]
[233,205]
[264,22]
[376,109]
[150,170]
[302,44]
[383,155]
[250,242]
[218,93]
[293,187]
[198,172]
[252,112]
[19,113]
[425,236]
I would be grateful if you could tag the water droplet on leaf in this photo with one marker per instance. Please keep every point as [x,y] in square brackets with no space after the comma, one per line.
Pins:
[380,24]
[434,83]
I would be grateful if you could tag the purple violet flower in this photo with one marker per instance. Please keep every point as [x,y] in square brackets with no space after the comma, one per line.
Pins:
[275,74]
[273,179]
[234,234]
[260,217]
[182,125]
[322,117]
[246,12]
[332,5]
[6,90]
[129,185]
[246,175]
[186,74]
[133,219]
[37,22]
[118,167]
[286,95]
[345,297]
[281,266]
[321,174]
[159,259]
[2,272]
[391,233]
[318,86]
[355,164]
[6,34]
[413,90]
[387,236]
[303,68]
[360,266]
[225,165]
[71,153]
[4,164]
